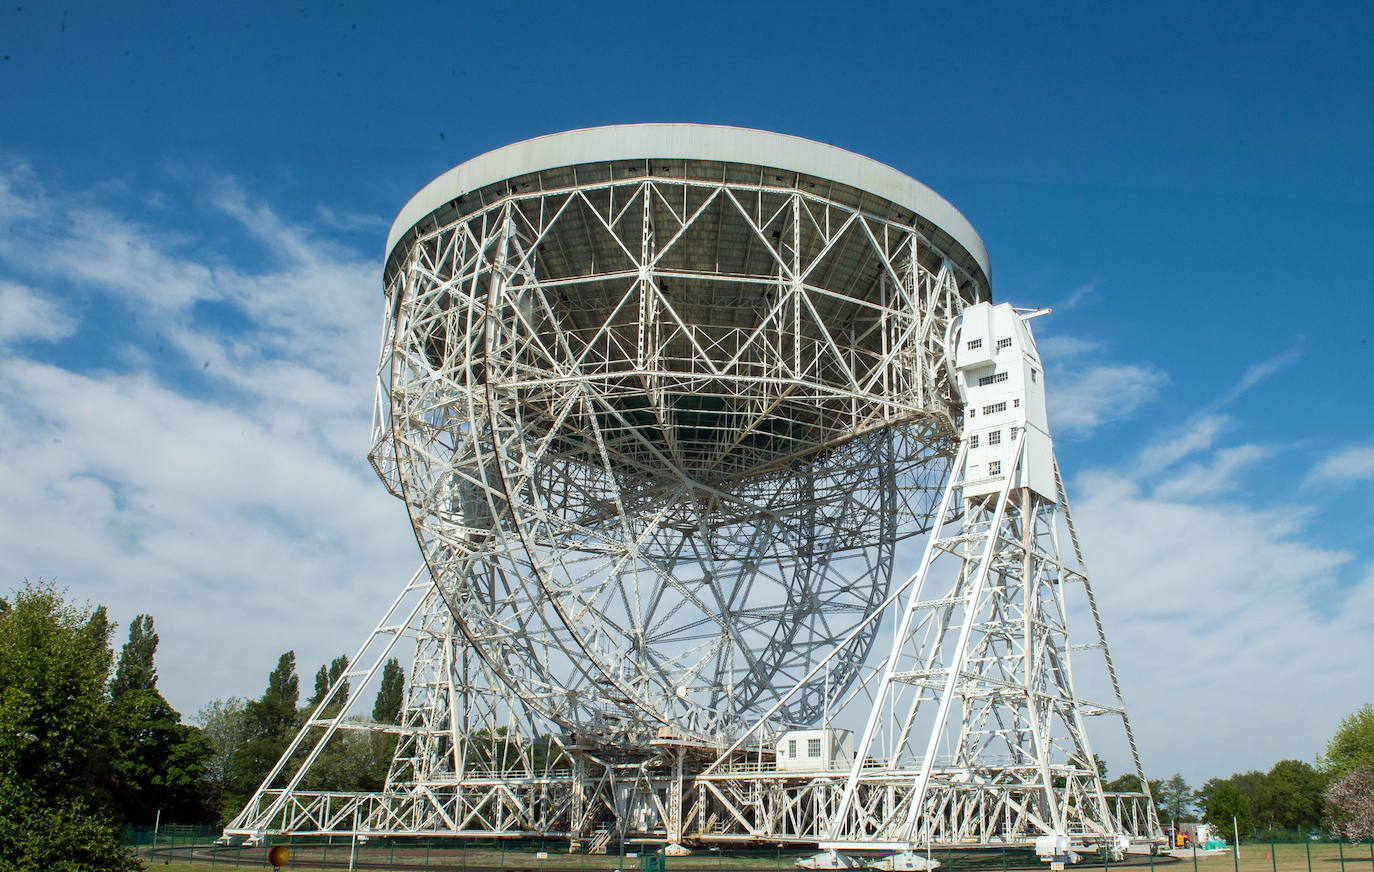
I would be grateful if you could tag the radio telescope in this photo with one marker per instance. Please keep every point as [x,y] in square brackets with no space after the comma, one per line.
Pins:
[663,403]
[660,422]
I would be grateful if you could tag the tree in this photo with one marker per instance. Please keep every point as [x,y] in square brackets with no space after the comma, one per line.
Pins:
[55,737]
[325,678]
[1353,745]
[225,724]
[1226,803]
[1290,797]
[1350,800]
[1126,783]
[161,761]
[270,723]
[135,669]
[390,694]
[1175,799]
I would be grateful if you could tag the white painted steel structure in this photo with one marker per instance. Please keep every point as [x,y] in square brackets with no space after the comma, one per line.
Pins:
[662,402]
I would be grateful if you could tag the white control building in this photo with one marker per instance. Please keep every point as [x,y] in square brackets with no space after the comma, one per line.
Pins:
[1001,381]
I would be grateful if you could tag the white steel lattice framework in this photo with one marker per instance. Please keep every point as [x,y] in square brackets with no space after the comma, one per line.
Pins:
[662,402]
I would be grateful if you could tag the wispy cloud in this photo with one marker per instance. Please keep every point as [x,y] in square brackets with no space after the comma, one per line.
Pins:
[1059,348]
[25,314]
[220,484]
[1258,372]
[1080,401]
[1172,445]
[1078,296]
[1348,466]
[1220,474]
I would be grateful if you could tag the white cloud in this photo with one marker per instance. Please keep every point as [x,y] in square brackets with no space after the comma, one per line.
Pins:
[24,314]
[1054,348]
[1221,474]
[1225,618]
[1077,297]
[231,501]
[1258,372]
[1225,623]
[1081,401]
[1347,466]
[1197,434]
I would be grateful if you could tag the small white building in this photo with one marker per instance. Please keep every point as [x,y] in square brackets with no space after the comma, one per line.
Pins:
[811,750]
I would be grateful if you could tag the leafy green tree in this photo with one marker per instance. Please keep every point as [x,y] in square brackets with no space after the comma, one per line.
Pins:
[270,723]
[1290,797]
[1353,745]
[135,669]
[1175,799]
[161,761]
[225,724]
[386,709]
[350,761]
[55,737]
[390,694]
[324,679]
[1225,800]
[1126,783]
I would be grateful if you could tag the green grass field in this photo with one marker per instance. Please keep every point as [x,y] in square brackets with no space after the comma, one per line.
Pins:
[1261,857]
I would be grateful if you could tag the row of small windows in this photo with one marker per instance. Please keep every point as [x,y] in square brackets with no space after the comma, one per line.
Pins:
[992,379]
[996,407]
[994,438]
[978,343]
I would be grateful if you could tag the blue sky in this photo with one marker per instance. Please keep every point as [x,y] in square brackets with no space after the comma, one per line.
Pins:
[193,204]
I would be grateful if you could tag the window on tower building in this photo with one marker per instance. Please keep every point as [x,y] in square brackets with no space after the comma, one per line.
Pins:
[995,468]
[975,343]
[973,441]
[995,437]
[813,747]
[1003,343]
[791,747]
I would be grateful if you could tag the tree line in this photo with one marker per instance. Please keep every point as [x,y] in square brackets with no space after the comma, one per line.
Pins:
[1332,796]
[89,744]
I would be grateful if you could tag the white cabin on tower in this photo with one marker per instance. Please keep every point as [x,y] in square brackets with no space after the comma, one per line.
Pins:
[1001,381]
